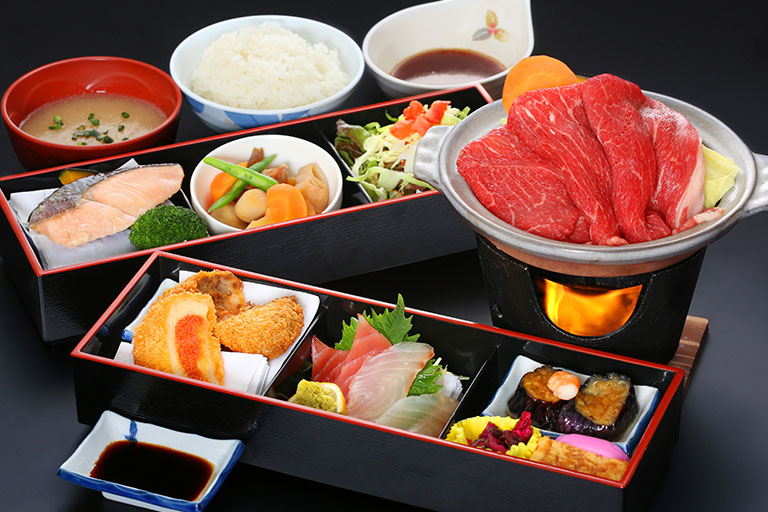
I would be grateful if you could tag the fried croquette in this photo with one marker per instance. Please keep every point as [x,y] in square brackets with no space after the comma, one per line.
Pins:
[176,337]
[268,330]
[224,287]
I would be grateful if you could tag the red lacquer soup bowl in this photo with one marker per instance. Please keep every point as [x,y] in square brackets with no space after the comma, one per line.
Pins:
[88,75]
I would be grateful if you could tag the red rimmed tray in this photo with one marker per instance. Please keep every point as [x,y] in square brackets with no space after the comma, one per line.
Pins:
[363,456]
[317,249]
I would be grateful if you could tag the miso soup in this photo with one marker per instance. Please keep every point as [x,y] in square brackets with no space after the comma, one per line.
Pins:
[92,119]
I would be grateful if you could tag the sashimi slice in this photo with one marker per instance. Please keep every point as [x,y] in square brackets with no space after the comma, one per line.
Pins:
[424,414]
[367,343]
[386,378]
[679,194]
[326,361]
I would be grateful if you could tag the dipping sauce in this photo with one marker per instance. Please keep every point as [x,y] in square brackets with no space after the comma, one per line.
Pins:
[92,119]
[447,67]
[154,468]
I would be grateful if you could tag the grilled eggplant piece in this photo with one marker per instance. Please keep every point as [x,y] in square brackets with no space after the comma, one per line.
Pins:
[533,395]
[604,407]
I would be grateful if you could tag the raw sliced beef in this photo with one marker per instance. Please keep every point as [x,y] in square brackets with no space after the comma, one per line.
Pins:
[553,124]
[679,193]
[612,107]
[519,187]
[595,162]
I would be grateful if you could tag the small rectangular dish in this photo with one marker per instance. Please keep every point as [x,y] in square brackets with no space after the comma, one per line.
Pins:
[220,454]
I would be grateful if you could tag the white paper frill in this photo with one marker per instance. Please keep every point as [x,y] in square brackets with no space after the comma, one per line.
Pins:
[250,373]
[53,255]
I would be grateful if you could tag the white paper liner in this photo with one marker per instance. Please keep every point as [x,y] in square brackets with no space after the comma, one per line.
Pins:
[53,255]
[252,373]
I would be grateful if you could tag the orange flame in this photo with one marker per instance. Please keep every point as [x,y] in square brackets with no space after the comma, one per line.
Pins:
[585,310]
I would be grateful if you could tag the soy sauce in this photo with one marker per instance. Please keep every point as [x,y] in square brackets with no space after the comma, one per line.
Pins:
[154,468]
[447,67]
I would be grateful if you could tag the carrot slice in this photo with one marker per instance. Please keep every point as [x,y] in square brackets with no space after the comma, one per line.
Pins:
[535,72]
[284,202]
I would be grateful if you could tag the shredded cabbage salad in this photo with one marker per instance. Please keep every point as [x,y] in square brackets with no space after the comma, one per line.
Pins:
[381,157]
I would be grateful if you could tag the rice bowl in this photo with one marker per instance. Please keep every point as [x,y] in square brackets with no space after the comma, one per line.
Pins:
[223,118]
[267,67]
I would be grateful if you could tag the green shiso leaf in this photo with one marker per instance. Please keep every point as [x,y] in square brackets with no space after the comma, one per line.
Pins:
[425,382]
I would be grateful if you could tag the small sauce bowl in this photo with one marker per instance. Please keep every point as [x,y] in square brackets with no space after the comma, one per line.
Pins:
[87,75]
[500,29]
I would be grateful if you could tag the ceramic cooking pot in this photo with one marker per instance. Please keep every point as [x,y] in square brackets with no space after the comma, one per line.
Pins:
[435,162]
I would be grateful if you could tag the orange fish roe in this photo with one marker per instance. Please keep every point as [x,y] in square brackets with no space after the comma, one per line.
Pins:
[188,344]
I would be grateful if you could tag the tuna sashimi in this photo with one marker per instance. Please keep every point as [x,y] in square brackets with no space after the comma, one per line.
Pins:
[612,107]
[519,187]
[104,204]
[326,361]
[367,343]
[679,194]
[425,414]
[386,378]
[553,124]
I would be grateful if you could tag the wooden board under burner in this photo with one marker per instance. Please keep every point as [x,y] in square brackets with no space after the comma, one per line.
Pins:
[691,341]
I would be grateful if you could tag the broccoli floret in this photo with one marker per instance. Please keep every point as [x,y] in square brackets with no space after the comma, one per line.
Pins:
[166,224]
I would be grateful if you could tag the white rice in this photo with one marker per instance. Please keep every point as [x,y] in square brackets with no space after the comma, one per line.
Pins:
[267,67]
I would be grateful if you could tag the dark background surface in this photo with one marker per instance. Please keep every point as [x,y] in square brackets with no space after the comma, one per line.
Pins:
[716,59]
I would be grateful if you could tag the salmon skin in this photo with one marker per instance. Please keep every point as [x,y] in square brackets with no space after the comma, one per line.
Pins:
[104,204]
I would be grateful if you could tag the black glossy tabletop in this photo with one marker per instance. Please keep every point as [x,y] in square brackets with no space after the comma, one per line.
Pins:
[713,56]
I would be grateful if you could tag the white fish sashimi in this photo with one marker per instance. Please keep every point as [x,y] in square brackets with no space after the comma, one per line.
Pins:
[424,414]
[386,378]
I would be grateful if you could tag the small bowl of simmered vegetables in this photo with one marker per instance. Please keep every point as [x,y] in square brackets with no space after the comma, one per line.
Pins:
[263,180]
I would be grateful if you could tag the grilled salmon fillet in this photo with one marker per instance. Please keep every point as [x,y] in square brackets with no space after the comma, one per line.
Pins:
[104,204]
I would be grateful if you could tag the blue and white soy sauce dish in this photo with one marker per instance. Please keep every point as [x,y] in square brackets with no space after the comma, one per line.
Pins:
[103,453]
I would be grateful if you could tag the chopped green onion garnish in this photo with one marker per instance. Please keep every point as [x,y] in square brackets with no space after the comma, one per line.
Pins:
[125,115]
[125,138]
[121,128]
[95,122]
[107,139]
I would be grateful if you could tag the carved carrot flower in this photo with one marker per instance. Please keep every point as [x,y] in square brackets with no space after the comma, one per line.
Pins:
[491,28]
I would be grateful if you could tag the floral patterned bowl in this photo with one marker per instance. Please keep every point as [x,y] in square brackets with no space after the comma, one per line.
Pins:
[501,29]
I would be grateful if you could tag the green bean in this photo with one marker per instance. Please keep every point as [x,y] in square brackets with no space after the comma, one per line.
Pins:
[238,187]
[230,195]
[251,175]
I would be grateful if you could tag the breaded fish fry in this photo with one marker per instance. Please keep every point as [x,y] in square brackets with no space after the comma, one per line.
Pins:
[175,337]
[269,329]
[225,288]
